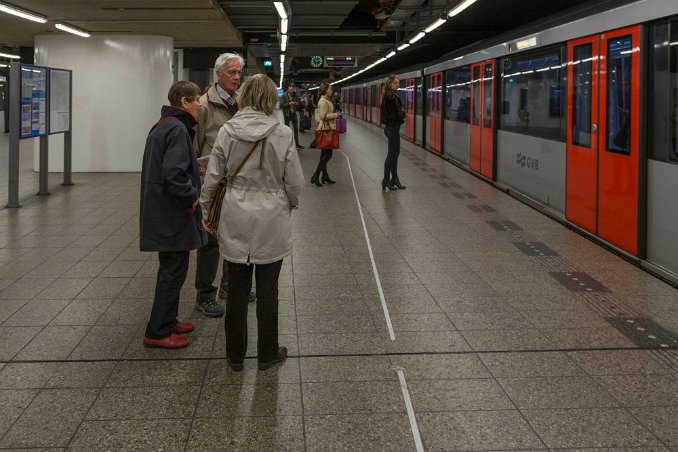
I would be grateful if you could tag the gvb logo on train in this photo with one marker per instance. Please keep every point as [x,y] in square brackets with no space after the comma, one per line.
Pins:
[525,161]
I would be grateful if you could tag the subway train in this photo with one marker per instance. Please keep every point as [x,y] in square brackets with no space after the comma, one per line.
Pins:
[576,115]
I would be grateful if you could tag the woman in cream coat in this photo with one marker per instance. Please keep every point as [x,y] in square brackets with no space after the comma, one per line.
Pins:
[255,224]
[326,119]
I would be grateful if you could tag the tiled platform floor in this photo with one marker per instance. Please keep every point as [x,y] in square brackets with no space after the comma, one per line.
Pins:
[501,348]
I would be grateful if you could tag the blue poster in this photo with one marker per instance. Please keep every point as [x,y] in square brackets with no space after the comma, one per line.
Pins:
[33,101]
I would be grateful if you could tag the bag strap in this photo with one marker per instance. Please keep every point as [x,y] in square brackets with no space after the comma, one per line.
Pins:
[263,143]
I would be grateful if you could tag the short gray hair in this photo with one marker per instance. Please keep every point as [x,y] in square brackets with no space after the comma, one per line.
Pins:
[225,57]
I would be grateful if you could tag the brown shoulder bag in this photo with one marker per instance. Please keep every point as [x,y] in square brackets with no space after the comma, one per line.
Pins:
[214,213]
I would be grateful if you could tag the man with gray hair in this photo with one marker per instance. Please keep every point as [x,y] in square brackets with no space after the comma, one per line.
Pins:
[217,106]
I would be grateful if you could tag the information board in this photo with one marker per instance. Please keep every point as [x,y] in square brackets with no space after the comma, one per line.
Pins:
[59,101]
[33,101]
[341,61]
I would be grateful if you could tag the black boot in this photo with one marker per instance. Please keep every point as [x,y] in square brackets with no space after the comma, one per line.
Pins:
[387,184]
[315,181]
[326,179]
[397,183]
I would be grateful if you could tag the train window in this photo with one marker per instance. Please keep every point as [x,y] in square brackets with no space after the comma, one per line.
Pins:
[487,92]
[419,97]
[458,94]
[402,93]
[619,52]
[533,93]
[582,73]
[663,132]
[475,111]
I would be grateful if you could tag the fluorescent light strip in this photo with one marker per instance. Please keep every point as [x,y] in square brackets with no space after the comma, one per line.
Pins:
[283,43]
[462,6]
[403,46]
[10,56]
[69,29]
[5,8]
[435,25]
[417,37]
[283,25]
[390,54]
[281,9]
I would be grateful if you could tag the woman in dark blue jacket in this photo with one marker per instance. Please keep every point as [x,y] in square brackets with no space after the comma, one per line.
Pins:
[169,221]
[392,116]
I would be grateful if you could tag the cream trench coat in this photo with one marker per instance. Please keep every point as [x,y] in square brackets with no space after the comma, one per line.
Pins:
[256,215]
[325,118]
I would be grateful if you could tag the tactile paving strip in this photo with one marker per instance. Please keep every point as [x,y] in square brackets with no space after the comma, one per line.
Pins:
[579,282]
[645,332]
[504,225]
[535,249]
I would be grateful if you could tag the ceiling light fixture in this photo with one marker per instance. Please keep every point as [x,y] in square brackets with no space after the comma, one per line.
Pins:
[9,9]
[10,56]
[283,26]
[460,7]
[283,43]
[281,9]
[417,37]
[403,46]
[435,25]
[73,30]
[390,54]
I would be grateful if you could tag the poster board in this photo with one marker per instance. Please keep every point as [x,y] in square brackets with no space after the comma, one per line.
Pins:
[59,100]
[33,102]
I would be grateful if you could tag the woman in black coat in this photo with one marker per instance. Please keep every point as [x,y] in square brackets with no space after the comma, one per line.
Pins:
[392,116]
[169,221]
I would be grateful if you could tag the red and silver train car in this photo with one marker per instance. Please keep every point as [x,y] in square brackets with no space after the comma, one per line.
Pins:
[578,117]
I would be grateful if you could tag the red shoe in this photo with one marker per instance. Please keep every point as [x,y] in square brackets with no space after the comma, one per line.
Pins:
[172,341]
[182,327]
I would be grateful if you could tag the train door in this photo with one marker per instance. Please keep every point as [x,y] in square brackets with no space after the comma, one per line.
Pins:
[409,109]
[368,112]
[378,104]
[434,111]
[603,158]
[482,118]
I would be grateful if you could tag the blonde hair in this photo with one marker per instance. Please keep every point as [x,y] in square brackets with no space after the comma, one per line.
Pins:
[386,89]
[258,92]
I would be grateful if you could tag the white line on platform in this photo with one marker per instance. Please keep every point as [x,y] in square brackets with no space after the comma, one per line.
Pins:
[369,248]
[410,412]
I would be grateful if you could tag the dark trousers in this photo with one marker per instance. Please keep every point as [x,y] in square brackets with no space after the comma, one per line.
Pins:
[292,117]
[325,156]
[235,320]
[391,163]
[206,270]
[171,276]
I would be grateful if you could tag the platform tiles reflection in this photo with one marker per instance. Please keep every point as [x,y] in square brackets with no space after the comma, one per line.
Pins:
[511,331]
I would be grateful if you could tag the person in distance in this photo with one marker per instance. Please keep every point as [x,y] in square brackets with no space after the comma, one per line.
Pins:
[326,119]
[392,116]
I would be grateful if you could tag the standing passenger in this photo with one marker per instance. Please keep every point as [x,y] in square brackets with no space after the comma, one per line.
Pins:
[290,106]
[392,116]
[256,215]
[169,220]
[217,106]
[326,119]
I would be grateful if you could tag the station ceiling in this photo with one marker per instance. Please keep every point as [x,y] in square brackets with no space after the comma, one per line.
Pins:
[365,29]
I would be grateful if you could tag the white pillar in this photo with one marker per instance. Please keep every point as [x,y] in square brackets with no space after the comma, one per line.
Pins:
[119,85]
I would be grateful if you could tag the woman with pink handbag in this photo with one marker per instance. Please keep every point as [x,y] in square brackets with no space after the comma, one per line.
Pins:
[325,133]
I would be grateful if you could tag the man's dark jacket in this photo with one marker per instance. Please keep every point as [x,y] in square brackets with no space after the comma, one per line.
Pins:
[170,184]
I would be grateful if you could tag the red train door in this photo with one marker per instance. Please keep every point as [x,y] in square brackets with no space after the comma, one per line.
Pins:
[603,155]
[378,104]
[369,104]
[434,110]
[482,118]
[409,109]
